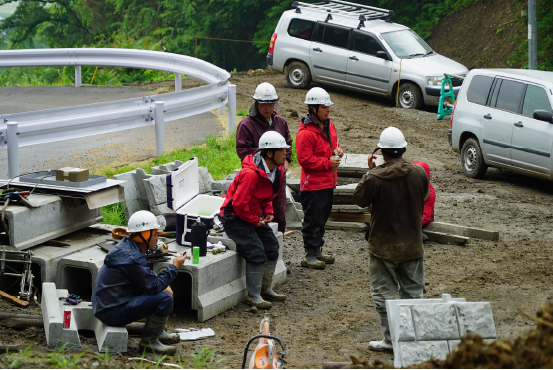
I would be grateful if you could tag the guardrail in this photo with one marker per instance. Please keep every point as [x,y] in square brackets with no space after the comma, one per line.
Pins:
[30,128]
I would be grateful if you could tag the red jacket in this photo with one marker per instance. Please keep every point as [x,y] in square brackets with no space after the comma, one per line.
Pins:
[251,193]
[428,214]
[314,150]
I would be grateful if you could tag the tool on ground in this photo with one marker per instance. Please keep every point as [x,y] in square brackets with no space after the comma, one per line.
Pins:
[26,276]
[71,299]
[265,355]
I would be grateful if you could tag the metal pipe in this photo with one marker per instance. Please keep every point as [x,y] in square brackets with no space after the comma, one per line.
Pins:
[78,76]
[231,109]
[178,82]
[532,35]
[160,128]
[13,149]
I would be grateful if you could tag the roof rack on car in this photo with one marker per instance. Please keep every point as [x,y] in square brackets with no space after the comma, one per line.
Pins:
[346,9]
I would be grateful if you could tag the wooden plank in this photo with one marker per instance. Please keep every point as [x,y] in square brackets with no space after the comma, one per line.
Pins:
[286,233]
[342,199]
[444,238]
[350,217]
[348,208]
[470,232]
[13,299]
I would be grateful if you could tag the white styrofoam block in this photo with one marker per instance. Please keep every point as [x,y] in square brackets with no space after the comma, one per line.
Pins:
[476,317]
[435,321]
[411,353]
[453,344]
[156,189]
[405,328]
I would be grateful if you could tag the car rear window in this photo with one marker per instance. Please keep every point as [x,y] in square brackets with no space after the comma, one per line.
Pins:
[535,98]
[510,95]
[479,89]
[301,28]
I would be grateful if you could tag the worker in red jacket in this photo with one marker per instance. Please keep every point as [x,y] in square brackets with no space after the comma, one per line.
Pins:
[428,213]
[247,211]
[319,155]
[262,118]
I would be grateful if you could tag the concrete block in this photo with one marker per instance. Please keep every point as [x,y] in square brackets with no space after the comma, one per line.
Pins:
[294,184]
[205,180]
[435,321]
[220,185]
[223,238]
[160,209]
[164,169]
[453,344]
[77,272]
[139,176]
[131,188]
[156,190]
[412,353]
[52,317]
[27,226]
[404,324]
[476,317]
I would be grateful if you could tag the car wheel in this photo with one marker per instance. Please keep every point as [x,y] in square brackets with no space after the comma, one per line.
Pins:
[410,96]
[472,159]
[298,75]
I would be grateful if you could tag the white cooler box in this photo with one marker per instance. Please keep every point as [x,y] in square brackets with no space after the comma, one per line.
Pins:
[182,196]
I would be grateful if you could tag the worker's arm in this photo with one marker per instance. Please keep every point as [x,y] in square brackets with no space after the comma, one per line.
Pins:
[243,196]
[363,193]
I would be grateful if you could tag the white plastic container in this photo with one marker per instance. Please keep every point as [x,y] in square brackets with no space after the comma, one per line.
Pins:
[183,196]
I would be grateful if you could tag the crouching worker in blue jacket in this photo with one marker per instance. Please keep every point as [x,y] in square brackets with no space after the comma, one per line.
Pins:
[127,290]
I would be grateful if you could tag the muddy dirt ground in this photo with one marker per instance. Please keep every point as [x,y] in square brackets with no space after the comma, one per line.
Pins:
[330,314]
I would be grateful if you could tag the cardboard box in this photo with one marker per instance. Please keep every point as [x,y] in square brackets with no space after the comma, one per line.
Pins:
[72,174]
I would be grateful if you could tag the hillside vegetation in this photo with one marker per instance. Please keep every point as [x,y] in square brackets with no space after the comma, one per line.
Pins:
[234,34]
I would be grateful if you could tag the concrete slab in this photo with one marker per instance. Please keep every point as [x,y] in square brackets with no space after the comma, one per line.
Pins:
[28,229]
[77,272]
[156,189]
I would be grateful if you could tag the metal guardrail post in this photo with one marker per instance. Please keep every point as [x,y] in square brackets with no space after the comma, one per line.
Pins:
[231,125]
[13,149]
[160,127]
[221,110]
[78,76]
[178,82]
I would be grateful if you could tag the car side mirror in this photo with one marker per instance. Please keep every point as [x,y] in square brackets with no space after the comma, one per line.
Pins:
[382,55]
[543,115]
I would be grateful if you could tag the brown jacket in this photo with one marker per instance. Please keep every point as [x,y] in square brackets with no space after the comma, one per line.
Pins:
[396,191]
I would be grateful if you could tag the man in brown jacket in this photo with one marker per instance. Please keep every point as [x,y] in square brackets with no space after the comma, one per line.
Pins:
[395,191]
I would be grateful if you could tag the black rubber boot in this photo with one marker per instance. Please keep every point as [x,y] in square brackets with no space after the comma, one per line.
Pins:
[154,327]
[254,279]
[311,260]
[267,291]
[326,258]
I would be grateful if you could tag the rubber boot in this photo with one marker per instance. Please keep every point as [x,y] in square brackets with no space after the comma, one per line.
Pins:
[267,291]
[154,327]
[311,260]
[385,345]
[254,279]
[326,258]
[167,338]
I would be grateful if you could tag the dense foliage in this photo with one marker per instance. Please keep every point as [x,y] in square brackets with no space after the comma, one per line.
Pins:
[201,27]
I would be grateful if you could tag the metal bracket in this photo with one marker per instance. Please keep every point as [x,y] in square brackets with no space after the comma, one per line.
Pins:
[26,285]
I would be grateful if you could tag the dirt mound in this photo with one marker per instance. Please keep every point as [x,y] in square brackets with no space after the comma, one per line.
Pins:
[484,35]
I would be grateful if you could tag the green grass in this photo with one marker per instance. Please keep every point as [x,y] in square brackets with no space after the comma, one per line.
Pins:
[242,112]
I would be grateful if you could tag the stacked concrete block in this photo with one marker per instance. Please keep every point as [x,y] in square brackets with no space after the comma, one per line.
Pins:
[135,194]
[205,180]
[109,338]
[164,169]
[156,191]
[294,211]
[76,271]
[425,329]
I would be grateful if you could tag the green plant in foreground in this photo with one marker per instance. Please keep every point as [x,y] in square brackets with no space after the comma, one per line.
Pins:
[61,360]
[205,359]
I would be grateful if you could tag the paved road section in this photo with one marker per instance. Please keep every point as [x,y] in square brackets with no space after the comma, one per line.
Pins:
[97,152]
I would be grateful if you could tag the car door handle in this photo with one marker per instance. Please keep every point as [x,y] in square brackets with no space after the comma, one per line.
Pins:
[318,49]
[488,116]
[519,124]
[354,58]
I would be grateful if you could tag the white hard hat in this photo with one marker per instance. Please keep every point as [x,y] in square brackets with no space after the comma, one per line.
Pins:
[390,138]
[142,221]
[272,140]
[265,93]
[318,96]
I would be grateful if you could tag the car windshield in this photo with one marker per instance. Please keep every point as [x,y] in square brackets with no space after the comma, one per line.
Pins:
[407,44]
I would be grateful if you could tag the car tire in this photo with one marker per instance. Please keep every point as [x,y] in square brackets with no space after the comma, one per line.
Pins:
[410,96]
[298,75]
[472,159]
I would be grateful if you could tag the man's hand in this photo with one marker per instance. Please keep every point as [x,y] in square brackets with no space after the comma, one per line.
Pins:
[179,260]
[372,161]
[168,290]
[260,223]
[285,166]
[269,218]
[335,162]
[339,152]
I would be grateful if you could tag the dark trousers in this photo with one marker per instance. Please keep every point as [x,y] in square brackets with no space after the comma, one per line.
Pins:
[160,304]
[279,207]
[316,210]
[255,244]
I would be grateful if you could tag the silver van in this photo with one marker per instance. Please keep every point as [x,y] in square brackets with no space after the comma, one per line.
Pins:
[357,47]
[504,118]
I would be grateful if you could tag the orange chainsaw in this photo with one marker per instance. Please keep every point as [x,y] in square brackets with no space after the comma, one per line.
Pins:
[265,354]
